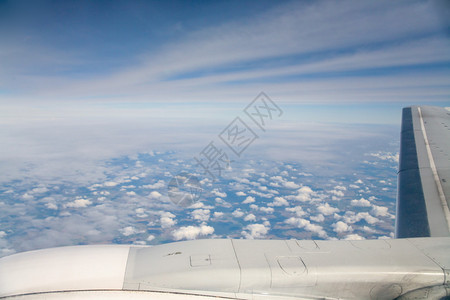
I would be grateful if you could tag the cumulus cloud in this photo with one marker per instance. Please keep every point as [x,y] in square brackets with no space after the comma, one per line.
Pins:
[192,232]
[326,209]
[140,213]
[51,205]
[155,186]
[219,193]
[201,214]
[254,206]
[369,229]
[267,210]
[290,185]
[110,183]
[351,218]
[386,156]
[341,227]
[340,188]
[167,220]
[380,211]
[298,210]
[361,202]
[255,231]
[302,223]
[248,200]
[218,214]
[40,190]
[79,203]
[155,195]
[250,218]
[221,202]
[238,213]
[129,230]
[27,196]
[263,195]
[304,194]
[241,194]
[319,218]
[279,201]
[337,193]
[354,237]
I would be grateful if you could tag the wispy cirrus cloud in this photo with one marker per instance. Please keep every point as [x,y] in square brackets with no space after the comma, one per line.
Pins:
[322,51]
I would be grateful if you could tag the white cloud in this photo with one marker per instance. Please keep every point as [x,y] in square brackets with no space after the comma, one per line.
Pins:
[200,204]
[79,203]
[238,213]
[241,194]
[27,196]
[386,156]
[361,202]
[302,223]
[140,213]
[130,230]
[40,190]
[219,193]
[150,238]
[305,174]
[304,194]
[155,186]
[167,220]
[326,209]
[2,234]
[340,187]
[201,214]
[222,202]
[380,211]
[263,195]
[192,232]
[155,195]
[337,193]
[131,193]
[291,185]
[298,210]
[354,237]
[218,214]
[279,201]
[51,205]
[368,229]
[341,227]
[255,231]
[248,200]
[319,218]
[267,210]
[351,218]
[110,183]
[250,218]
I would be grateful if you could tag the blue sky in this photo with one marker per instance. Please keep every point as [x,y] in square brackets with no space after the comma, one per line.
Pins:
[356,61]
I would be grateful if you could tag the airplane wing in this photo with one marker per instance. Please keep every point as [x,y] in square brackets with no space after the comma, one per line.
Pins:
[414,267]
[424,173]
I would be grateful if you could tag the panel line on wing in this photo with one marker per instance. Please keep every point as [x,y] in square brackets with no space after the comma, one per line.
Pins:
[434,171]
